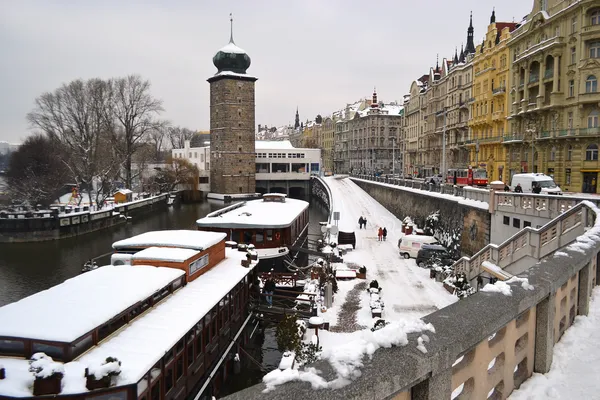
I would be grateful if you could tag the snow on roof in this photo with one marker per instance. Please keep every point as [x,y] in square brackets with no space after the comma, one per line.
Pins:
[232,48]
[67,311]
[145,340]
[273,145]
[236,74]
[185,239]
[124,191]
[256,213]
[171,254]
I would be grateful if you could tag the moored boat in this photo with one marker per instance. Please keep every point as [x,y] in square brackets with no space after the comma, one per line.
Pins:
[275,225]
[162,328]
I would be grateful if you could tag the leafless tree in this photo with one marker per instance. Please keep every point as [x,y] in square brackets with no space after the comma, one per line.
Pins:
[178,136]
[135,110]
[158,138]
[178,171]
[74,116]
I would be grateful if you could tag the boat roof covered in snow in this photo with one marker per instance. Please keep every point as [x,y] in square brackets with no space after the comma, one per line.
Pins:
[185,239]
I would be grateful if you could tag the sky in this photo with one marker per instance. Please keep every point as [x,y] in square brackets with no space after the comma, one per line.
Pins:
[316,55]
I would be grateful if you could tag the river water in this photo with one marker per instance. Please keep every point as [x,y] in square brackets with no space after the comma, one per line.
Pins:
[27,268]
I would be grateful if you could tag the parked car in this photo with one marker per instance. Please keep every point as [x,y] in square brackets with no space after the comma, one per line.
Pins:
[437,179]
[429,251]
[410,245]
[526,180]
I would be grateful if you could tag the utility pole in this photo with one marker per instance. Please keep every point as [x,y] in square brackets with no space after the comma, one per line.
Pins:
[394,157]
[444,149]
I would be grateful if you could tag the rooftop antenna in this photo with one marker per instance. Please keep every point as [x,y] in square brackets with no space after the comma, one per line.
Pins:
[231,23]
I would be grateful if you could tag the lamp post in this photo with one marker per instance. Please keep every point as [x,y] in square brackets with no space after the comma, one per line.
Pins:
[394,157]
[444,148]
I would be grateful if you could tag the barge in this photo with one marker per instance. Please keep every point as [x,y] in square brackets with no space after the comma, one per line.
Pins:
[275,225]
[164,327]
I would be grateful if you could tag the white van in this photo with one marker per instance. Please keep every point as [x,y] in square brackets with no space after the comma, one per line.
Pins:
[410,245]
[526,180]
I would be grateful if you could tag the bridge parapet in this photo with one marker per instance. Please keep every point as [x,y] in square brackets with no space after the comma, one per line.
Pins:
[486,343]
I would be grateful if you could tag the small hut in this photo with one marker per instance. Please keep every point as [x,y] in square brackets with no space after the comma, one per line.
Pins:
[123,196]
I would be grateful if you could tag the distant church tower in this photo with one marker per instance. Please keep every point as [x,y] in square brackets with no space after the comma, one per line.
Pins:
[470,49]
[232,125]
[297,123]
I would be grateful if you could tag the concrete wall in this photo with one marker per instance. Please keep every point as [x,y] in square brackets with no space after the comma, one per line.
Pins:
[461,227]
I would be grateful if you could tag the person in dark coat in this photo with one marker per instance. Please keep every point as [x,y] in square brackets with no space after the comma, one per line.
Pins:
[384,233]
[361,222]
[506,188]
[364,222]
[518,188]
[269,289]
[537,189]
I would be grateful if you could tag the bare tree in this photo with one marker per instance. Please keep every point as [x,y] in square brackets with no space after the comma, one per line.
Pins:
[35,174]
[134,109]
[158,138]
[178,171]
[74,116]
[178,136]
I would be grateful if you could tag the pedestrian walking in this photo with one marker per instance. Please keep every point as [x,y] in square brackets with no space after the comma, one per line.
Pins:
[269,289]
[384,233]
[364,222]
[361,222]
[380,234]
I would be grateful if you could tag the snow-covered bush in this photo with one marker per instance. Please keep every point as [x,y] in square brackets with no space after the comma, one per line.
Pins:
[461,285]
[43,366]
[287,335]
[309,353]
[379,323]
[431,223]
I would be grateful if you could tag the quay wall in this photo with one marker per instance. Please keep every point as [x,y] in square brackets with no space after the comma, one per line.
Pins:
[23,227]
[461,227]
[517,333]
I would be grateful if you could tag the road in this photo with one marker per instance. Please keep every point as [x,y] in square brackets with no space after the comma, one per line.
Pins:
[407,289]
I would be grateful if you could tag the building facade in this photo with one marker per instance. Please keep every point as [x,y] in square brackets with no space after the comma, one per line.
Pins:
[232,124]
[415,106]
[327,132]
[554,125]
[342,136]
[491,103]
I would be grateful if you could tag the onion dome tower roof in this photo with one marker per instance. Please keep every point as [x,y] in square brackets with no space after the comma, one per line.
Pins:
[231,58]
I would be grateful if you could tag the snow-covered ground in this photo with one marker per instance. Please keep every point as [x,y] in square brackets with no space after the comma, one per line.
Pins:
[407,289]
[408,294]
[576,363]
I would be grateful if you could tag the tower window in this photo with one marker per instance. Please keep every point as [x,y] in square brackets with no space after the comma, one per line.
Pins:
[239,124]
[240,149]
[240,189]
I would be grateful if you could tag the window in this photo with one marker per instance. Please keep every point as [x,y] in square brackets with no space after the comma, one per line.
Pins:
[574,25]
[569,153]
[259,237]
[573,55]
[593,119]
[571,88]
[506,220]
[591,153]
[169,378]
[570,120]
[591,84]
[516,223]
[526,224]
[203,179]
[269,235]
[568,176]
[594,49]
[553,154]
[595,17]
[12,347]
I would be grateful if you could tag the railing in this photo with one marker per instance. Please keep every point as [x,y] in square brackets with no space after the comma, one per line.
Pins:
[578,132]
[527,243]
[465,192]
[499,90]
[549,73]
[502,339]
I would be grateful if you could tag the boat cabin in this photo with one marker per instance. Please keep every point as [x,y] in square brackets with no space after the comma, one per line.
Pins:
[167,322]
[270,222]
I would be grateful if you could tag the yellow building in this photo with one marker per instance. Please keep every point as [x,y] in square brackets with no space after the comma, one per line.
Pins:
[555,101]
[327,132]
[489,110]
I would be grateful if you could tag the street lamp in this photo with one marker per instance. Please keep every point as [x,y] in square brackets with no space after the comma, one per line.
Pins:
[394,156]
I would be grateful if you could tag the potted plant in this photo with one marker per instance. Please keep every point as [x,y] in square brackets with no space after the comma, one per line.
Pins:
[103,375]
[48,374]
[362,273]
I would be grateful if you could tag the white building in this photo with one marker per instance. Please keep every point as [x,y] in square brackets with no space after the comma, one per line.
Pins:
[279,165]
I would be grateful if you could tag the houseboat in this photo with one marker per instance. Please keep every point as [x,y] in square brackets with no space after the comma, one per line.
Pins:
[165,327]
[274,224]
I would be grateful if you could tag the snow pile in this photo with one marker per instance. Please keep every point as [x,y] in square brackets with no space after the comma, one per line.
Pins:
[420,346]
[575,364]
[111,367]
[504,287]
[43,366]
[345,353]
[287,360]
[560,254]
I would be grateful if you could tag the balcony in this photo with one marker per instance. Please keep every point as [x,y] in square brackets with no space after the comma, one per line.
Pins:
[471,100]
[498,115]
[500,90]
[591,97]
[569,133]
[512,138]
[590,30]
[521,83]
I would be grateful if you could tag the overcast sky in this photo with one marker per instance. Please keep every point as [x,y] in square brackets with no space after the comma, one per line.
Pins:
[314,54]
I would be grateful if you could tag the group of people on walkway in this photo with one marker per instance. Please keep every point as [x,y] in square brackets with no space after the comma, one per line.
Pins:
[381,234]
[535,188]
[362,222]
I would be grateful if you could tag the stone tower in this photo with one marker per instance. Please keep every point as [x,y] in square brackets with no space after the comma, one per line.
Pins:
[232,106]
